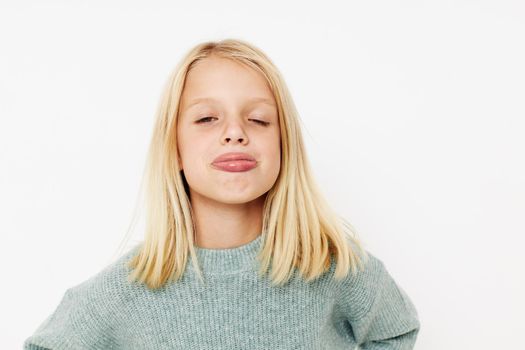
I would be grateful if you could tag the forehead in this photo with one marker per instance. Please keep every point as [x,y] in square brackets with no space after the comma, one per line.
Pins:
[212,101]
[213,80]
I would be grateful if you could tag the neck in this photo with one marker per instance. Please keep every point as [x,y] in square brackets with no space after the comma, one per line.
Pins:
[224,225]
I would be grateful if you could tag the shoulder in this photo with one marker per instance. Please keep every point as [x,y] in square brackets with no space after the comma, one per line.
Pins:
[367,272]
[109,285]
[376,306]
[86,315]
[358,290]
[112,279]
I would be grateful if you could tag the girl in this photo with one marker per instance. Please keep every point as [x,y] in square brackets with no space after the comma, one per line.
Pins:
[229,187]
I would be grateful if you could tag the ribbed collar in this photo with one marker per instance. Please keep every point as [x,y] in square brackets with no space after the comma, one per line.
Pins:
[229,260]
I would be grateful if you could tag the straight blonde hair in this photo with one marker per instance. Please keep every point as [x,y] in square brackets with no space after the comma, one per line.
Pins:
[300,230]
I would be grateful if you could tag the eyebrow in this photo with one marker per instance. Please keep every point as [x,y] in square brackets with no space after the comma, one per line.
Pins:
[209,99]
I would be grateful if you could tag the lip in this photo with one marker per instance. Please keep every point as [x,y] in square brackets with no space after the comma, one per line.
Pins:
[230,156]
[234,162]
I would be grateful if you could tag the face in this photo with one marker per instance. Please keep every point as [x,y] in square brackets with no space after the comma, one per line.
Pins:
[228,107]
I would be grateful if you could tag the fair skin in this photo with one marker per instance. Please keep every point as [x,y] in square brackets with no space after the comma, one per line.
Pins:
[227,206]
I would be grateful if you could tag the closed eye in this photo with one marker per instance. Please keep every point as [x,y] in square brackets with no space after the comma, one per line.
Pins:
[261,122]
[206,119]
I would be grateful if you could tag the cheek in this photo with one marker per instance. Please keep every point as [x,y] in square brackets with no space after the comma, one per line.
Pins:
[273,153]
[187,144]
[193,155]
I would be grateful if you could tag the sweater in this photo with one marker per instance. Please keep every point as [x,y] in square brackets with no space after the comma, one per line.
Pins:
[235,309]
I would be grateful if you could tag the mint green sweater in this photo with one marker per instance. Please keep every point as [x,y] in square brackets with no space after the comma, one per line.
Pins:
[234,310]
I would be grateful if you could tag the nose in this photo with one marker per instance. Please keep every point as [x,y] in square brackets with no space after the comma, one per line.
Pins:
[241,139]
[234,132]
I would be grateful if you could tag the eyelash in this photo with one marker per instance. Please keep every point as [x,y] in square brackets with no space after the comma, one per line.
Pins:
[263,123]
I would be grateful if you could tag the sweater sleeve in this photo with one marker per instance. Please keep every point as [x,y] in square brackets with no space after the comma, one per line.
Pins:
[380,314]
[75,324]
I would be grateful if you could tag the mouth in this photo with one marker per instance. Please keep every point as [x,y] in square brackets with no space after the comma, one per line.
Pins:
[235,166]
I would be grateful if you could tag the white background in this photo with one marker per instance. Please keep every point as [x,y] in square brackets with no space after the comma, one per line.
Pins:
[413,115]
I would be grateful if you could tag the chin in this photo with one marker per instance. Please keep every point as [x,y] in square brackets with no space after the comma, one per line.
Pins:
[238,199]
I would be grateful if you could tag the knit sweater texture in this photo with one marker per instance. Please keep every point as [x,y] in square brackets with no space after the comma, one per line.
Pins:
[235,309]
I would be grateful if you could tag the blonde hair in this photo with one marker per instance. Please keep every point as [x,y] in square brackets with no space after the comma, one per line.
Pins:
[300,229]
